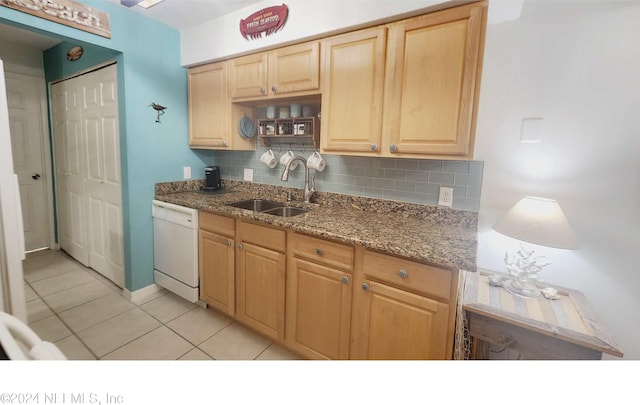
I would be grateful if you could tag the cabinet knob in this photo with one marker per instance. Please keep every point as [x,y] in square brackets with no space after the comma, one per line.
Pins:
[365,286]
[274,89]
[228,243]
[345,280]
[374,146]
[319,251]
[393,147]
[224,143]
[262,90]
[403,273]
[240,247]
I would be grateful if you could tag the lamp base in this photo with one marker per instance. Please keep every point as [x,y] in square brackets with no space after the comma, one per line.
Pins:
[516,288]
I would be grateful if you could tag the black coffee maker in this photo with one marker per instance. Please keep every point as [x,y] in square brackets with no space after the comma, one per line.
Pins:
[212,178]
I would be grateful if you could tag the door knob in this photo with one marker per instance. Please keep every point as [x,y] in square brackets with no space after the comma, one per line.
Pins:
[35,176]
[365,286]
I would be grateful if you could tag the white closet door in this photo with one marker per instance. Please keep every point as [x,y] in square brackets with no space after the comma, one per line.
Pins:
[103,190]
[66,105]
[97,153]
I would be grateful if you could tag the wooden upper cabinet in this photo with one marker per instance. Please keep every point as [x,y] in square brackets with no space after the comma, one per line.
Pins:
[352,91]
[249,76]
[213,119]
[289,71]
[432,82]
[208,106]
[295,68]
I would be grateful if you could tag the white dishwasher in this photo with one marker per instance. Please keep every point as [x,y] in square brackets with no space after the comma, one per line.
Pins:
[175,249]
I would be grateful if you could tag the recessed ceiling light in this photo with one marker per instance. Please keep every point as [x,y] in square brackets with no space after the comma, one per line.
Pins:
[149,3]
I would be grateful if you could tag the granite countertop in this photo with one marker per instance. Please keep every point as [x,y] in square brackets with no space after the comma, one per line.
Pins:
[438,236]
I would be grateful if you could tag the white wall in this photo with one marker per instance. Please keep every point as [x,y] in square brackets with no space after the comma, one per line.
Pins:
[21,59]
[221,38]
[575,64]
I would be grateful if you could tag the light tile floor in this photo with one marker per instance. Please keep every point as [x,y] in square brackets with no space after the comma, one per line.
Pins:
[86,316]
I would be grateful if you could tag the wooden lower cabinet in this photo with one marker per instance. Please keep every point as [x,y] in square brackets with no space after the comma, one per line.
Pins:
[392,324]
[260,279]
[318,310]
[323,299]
[217,261]
[402,309]
[217,271]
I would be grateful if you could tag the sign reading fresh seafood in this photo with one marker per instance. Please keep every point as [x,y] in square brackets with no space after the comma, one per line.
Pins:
[267,21]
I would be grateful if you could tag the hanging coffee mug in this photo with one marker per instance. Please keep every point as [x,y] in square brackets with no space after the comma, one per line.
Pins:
[269,159]
[284,159]
[316,161]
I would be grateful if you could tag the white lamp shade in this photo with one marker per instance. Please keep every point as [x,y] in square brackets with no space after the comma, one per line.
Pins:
[540,221]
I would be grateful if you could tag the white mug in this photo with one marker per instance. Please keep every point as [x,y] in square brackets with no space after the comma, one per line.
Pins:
[269,159]
[284,159]
[316,161]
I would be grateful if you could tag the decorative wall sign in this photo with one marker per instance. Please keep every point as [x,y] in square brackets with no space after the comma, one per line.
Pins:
[67,12]
[75,53]
[267,20]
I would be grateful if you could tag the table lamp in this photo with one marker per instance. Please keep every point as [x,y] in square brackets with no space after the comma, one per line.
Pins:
[539,221]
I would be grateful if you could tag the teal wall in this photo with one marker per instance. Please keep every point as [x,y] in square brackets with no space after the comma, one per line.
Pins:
[148,55]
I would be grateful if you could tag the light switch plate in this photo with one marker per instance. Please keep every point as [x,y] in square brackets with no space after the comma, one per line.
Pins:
[186,173]
[531,131]
[248,174]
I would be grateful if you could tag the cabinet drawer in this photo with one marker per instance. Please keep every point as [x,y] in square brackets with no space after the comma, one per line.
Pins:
[270,238]
[333,254]
[407,274]
[217,224]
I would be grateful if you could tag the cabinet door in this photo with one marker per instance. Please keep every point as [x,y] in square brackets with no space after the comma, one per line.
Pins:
[249,76]
[209,106]
[318,310]
[294,68]
[217,271]
[352,91]
[260,289]
[433,75]
[394,324]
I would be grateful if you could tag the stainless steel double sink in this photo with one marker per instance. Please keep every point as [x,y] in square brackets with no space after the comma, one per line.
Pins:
[276,208]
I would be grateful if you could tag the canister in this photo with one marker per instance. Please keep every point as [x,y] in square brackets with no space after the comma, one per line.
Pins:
[284,112]
[271,112]
[296,110]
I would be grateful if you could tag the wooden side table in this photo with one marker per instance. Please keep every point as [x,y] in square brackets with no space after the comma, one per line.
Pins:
[561,329]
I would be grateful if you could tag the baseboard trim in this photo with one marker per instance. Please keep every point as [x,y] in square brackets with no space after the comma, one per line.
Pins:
[142,295]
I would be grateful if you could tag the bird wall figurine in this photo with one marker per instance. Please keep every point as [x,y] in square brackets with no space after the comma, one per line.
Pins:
[160,109]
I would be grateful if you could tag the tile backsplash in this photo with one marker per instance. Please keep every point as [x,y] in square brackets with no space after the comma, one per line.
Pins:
[416,181]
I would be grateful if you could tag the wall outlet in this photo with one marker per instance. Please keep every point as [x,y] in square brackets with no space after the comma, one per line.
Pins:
[248,174]
[186,173]
[446,196]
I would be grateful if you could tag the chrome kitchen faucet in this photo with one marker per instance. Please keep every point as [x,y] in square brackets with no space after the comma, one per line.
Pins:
[307,191]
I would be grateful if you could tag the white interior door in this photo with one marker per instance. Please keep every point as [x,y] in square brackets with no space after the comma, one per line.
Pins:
[103,190]
[86,132]
[66,102]
[24,97]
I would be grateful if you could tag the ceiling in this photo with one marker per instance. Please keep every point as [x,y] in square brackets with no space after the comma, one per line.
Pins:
[181,14]
[178,14]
